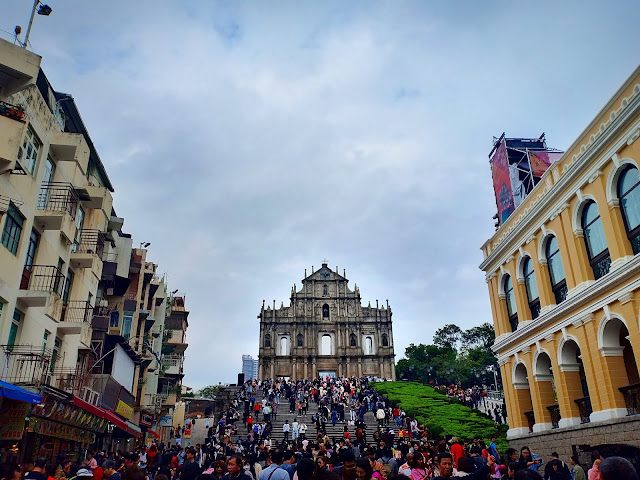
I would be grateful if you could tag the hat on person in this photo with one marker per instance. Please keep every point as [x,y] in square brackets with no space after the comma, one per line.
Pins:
[83,472]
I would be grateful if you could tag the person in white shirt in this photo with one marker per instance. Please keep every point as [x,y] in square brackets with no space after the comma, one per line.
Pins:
[303,430]
[294,429]
[286,428]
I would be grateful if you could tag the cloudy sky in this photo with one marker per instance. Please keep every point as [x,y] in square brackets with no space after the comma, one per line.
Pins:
[247,141]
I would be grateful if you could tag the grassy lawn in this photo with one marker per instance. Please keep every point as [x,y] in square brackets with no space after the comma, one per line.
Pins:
[442,415]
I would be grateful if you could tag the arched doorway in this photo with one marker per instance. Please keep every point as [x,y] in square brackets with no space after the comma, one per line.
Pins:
[522,398]
[543,375]
[284,346]
[620,363]
[578,402]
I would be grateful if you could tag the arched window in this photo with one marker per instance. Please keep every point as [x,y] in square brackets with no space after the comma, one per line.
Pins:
[267,340]
[284,346]
[385,340]
[325,311]
[510,298]
[326,347]
[325,275]
[300,340]
[629,195]
[556,270]
[597,250]
[325,291]
[368,346]
[532,288]
[352,340]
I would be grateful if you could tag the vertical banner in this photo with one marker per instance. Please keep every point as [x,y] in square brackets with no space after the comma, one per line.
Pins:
[502,181]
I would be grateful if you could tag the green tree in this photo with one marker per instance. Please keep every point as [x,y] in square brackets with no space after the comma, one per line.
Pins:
[448,336]
[208,392]
[481,336]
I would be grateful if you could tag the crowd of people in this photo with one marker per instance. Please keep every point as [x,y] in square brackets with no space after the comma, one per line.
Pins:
[476,397]
[254,455]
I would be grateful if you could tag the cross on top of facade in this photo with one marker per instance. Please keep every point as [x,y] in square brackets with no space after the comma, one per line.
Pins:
[325,261]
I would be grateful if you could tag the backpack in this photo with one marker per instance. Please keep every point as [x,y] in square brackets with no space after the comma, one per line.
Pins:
[387,467]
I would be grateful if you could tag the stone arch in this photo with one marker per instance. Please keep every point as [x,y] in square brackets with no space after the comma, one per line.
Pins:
[385,340]
[368,344]
[520,377]
[577,405]
[300,340]
[504,273]
[353,342]
[325,310]
[618,355]
[614,177]
[576,218]
[542,245]
[520,266]
[542,366]
[568,351]
[284,345]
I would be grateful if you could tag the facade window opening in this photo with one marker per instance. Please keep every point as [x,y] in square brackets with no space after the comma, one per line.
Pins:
[326,346]
[325,311]
[595,240]
[629,195]
[556,271]
[385,340]
[352,340]
[12,229]
[300,340]
[532,288]
[324,275]
[510,298]
[267,340]
[325,291]
[284,346]
[368,346]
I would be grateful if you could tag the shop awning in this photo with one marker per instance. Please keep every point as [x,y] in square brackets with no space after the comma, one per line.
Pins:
[88,407]
[116,420]
[133,429]
[151,432]
[9,390]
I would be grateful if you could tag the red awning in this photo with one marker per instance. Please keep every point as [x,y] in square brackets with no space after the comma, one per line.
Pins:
[151,432]
[116,420]
[88,407]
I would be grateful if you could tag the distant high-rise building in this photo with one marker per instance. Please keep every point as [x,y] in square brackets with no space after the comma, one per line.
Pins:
[249,367]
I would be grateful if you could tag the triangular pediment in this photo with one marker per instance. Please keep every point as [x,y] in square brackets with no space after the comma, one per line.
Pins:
[324,274]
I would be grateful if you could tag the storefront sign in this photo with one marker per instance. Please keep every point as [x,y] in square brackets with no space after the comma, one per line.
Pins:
[69,414]
[124,410]
[12,415]
[59,430]
[146,419]
[165,421]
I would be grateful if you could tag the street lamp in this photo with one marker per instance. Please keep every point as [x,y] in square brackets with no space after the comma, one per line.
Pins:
[44,10]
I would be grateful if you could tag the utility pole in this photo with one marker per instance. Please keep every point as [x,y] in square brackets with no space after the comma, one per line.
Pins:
[33,14]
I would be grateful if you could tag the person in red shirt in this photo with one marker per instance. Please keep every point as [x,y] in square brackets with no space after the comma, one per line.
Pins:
[456,451]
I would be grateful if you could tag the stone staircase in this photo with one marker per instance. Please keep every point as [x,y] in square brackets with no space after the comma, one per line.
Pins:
[199,430]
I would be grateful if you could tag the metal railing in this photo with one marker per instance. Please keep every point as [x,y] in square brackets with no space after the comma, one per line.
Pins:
[584,407]
[531,420]
[91,241]
[71,379]
[554,410]
[76,311]
[58,197]
[27,365]
[44,278]
[13,112]
[632,398]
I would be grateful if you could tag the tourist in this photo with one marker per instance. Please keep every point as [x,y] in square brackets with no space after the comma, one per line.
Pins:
[617,468]
[235,469]
[529,460]
[419,471]
[594,471]
[289,463]
[407,468]
[577,473]
[273,471]
[38,470]
[457,451]
[110,472]
[285,429]
[189,469]
[363,469]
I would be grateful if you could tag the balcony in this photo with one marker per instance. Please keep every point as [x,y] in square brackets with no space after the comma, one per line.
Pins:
[57,207]
[12,130]
[172,365]
[75,315]
[584,407]
[554,411]
[88,251]
[18,68]
[70,147]
[42,286]
[632,398]
[27,365]
[72,380]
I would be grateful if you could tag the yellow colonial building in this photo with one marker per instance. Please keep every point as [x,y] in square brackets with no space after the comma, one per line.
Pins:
[563,273]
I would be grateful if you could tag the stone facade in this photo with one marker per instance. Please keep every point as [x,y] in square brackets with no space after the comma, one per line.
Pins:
[608,438]
[326,331]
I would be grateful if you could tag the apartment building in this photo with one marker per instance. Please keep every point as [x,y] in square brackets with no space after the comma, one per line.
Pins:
[563,273]
[82,311]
